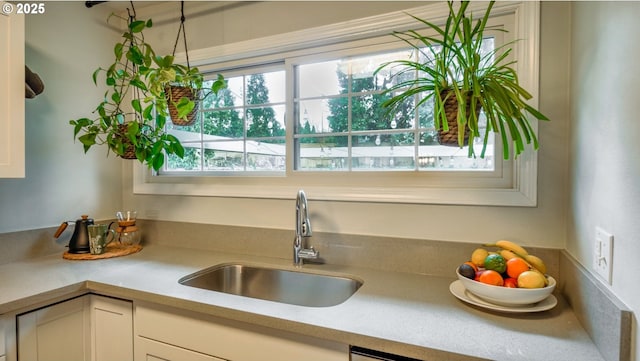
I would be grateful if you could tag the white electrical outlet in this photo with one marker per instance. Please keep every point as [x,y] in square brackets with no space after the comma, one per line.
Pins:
[603,254]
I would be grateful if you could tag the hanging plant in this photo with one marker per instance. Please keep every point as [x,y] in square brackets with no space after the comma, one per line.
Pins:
[455,72]
[131,118]
[183,87]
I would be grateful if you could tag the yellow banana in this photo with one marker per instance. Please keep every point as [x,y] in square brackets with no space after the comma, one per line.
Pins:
[513,247]
[537,263]
[507,255]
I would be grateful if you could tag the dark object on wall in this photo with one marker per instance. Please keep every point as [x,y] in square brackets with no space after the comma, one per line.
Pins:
[33,85]
[90,4]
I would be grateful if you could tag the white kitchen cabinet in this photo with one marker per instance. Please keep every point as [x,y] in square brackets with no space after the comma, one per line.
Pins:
[87,328]
[56,333]
[12,94]
[111,329]
[164,332]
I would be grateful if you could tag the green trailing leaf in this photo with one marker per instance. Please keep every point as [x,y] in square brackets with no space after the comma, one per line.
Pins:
[137,26]
[135,56]
[94,76]
[88,140]
[138,84]
[135,104]
[133,129]
[184,107]
[117,50]
[161,120]
[158,161]
[116,97]
[147,113]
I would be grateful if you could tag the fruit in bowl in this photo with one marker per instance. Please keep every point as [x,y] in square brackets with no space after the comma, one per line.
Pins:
[507,296]
[509,276]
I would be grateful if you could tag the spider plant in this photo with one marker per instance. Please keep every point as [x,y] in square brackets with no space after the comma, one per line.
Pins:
[451,65]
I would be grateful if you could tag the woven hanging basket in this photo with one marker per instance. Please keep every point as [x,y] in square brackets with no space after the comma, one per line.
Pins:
[130,149]
[173,95]
[450,137]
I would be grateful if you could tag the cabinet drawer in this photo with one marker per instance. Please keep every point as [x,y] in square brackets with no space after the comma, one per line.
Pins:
[151,350]
[231,340]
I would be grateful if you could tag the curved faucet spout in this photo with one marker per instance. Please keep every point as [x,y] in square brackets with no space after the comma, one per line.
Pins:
[303,224]
[303,230]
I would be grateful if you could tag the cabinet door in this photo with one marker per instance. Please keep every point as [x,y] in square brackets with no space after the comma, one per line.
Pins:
[150,350]
[55,333]
[111,329]
[12,96]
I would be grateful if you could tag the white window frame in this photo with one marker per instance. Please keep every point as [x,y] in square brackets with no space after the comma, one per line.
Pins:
[520,188]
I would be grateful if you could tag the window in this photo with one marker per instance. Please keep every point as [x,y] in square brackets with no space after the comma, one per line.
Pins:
[341,124]
[302,107]
[240,129]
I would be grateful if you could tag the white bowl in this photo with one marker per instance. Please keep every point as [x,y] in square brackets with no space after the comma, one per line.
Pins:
[506,296]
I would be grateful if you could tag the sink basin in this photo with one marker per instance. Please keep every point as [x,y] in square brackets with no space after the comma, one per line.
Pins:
[274,284]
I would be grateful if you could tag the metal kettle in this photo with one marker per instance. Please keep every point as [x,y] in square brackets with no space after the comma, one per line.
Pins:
[79,242]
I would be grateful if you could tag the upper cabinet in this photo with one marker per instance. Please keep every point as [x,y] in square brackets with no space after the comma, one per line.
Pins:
[12,93]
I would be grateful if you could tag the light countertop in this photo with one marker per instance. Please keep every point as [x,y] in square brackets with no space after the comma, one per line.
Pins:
[403,313]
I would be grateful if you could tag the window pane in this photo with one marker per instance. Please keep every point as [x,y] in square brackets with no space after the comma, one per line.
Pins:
[190,162]
[232,95]
[384,152]
[266,88]
[322,153]
[318,80]
[224,123]
[224,155]
[313,116]
[241,128]
[265,121]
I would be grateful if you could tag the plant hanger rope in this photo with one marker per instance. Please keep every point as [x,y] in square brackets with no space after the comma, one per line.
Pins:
[181,29]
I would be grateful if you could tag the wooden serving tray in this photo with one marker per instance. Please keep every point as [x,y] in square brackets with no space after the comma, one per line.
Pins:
[112,250]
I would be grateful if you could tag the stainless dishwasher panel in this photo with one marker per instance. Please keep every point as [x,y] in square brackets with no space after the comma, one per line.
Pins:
[363,354]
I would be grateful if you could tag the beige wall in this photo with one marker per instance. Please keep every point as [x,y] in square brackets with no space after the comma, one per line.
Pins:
[61,182]
[605,158]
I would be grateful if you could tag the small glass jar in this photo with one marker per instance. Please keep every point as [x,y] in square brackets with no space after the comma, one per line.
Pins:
[128,235]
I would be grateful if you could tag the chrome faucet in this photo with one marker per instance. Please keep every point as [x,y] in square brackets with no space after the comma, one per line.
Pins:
[303,230]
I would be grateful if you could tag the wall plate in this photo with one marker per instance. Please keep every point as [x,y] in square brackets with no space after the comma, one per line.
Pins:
[603,254]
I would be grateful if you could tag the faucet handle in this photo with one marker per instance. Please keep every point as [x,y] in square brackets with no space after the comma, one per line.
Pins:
[308,253]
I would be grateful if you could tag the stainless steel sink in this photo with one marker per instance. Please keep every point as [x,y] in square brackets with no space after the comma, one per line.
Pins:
[274,284]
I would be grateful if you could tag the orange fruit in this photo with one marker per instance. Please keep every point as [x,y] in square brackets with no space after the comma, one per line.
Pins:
[491,277]
[516,266]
